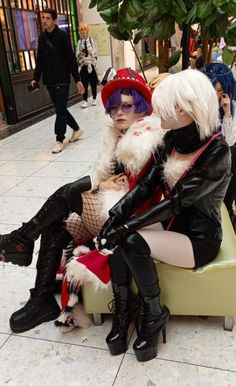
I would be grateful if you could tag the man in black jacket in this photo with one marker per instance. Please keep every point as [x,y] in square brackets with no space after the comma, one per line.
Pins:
[55,62]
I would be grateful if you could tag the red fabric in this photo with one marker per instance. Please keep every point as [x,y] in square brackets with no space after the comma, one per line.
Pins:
[156,197]
[64,294]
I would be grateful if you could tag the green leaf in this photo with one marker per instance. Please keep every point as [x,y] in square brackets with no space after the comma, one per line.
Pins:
[110,15]
[178,11]
[230,8]
[153,59]
[204,8]
[219,3]
[92,3]
[174,58]
[230,35]
[102,5]
[117,34]
[164,29]
[129,14]
[142,34]
[228,56]
[192,14]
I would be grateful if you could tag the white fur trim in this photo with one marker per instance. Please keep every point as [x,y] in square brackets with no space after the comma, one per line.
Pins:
[108,199]
[80,250]
[174,169]
[78,274]
[139,143]
[132,151]
[77,317]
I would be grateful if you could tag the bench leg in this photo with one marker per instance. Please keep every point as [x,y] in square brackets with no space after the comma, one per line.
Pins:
[97,319]
[228,323]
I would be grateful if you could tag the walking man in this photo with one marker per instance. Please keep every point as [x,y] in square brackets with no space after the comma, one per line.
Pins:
[55,62]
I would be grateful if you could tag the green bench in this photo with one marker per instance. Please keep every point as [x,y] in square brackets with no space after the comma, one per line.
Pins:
[205,291]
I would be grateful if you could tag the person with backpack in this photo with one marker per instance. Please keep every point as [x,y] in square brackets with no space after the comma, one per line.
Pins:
[86,54]
[55,62]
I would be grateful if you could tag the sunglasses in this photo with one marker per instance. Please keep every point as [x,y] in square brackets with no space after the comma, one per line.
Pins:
[125,108]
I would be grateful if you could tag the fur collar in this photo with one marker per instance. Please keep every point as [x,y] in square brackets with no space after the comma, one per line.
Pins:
[133,149]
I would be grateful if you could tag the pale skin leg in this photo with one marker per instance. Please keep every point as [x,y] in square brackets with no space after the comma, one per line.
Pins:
[169,247]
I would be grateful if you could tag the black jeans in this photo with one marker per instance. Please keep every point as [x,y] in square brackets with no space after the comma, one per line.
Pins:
[59,97]
[87,78]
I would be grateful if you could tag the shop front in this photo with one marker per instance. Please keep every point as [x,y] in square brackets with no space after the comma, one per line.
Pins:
[20,25]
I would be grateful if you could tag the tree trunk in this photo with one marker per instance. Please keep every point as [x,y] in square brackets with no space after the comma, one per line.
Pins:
[163,53]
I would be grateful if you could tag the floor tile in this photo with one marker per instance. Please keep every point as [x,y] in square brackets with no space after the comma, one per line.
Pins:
[40,363]
[158,372]
[3,339]
[65,169]
[8,182]
[93,336]
[37,187]
[194,340]
[17,210]
[21,168]
[15,284]
[8,153]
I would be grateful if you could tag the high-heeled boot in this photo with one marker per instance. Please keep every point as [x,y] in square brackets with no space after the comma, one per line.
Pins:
[154,322]
[17,247]
[137,256]
[42,305]
[117,339]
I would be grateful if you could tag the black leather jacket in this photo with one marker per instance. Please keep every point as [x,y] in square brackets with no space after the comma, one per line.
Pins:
[194,202]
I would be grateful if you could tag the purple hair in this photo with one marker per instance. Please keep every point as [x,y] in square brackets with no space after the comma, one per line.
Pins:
[141,105]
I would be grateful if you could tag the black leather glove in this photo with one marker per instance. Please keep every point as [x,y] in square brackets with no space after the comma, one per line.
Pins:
[111,238]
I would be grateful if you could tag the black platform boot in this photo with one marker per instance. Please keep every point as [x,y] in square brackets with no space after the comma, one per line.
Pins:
[17,247]
[42,305]
[154,322]
[117,339]
[136,253]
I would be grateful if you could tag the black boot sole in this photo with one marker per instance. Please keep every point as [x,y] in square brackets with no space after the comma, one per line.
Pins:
[118,347]
[22,261]
[52,315]
[148,353]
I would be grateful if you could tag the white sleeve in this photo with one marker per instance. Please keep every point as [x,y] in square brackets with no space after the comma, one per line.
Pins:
[229,129]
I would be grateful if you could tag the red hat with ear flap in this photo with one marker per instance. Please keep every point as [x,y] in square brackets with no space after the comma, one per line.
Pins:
[126,78]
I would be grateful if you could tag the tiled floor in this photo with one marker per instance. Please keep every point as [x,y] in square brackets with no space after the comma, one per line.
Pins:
[198,352]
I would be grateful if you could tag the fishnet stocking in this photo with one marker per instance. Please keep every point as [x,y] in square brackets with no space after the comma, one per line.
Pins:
[89,223]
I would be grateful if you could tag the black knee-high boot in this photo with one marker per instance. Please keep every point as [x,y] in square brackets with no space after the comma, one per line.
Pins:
[42,305]
[136,253]
[17,247]
[117,339]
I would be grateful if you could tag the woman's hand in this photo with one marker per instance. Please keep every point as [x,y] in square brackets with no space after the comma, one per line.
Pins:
[118,182]
[225,104]
[110,239]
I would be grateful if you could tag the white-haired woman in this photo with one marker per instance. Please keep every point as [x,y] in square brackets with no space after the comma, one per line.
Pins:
[184,229]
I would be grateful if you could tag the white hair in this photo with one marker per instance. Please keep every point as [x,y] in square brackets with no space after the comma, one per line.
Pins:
[191,91]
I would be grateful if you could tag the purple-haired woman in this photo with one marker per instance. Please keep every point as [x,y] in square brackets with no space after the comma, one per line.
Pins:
[77,211]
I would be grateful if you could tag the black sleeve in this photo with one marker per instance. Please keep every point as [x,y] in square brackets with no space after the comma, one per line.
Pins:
[198,183]
[39,67]
[142,191]
[70,57]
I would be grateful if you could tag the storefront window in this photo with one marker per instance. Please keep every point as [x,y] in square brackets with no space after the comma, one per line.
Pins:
[21,23]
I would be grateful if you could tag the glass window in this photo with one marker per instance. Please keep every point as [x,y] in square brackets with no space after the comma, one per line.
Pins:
[22,24]
[26,29]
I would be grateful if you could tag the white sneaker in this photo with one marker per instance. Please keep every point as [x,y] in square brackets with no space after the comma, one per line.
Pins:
[94,102]
[58,147]
[84,104]
[77,134]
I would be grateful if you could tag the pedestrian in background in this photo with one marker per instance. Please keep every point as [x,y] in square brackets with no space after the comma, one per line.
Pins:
[55,62]
[86,54]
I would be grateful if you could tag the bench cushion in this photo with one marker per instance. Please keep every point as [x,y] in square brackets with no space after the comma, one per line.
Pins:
[208,290]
